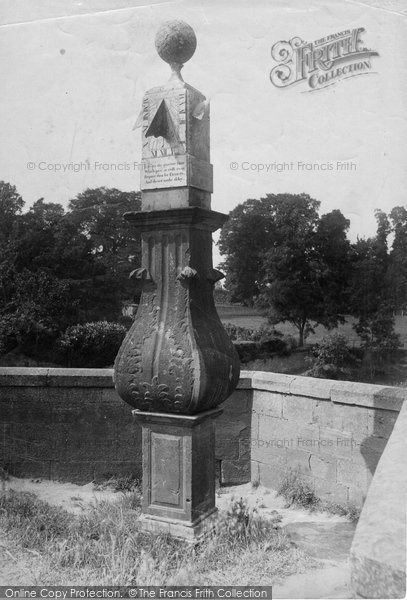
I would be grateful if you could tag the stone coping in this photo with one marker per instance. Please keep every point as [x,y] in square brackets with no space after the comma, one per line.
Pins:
[50,377]
[341,392]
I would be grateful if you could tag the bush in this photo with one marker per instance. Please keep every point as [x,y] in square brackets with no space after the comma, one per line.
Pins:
[91,344]
[380,342]
[332,358]
[241,334]
[251,344]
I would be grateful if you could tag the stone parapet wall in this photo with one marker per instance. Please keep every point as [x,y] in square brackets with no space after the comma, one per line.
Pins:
[65,424]
[335,431]
[69,424]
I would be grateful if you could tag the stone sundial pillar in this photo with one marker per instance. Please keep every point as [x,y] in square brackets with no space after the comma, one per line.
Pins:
[176,364]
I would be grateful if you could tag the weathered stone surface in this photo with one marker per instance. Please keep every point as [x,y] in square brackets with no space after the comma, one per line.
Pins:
[175,41]
[235,472]
[366,394]
[337,443]
[323,467]
[270,474]
[266,404]
[353,421]
[177,357]
[322,540]
[329,490]
[226,448]
[352,474]
[378,553]
[298,409]
[275,382]
[311,387]
[323,413]
[178,468]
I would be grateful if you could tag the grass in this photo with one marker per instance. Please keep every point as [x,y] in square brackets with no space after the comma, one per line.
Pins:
[104,546]
[248,317]
[298,492]
[125,483]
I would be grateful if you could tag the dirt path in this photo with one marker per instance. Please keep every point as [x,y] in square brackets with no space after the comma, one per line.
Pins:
[326,537]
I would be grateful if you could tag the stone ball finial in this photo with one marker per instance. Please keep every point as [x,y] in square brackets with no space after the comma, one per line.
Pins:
[175,42]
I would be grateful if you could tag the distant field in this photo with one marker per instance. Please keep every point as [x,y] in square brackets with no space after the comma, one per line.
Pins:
[249,317]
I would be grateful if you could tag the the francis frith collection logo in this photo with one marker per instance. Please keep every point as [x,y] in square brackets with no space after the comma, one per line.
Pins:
[321,63]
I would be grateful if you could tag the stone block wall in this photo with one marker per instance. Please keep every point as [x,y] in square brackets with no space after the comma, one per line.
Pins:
[69,424]
[65,424]
[334,431]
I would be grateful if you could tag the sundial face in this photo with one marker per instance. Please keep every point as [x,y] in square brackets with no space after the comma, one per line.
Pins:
[155,146]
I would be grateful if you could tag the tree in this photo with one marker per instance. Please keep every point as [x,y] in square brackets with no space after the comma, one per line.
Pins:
[11,205]
[369,289]
[397,272]
[97,214]
[249,230]
[34,309]
[59,268]
[293,257]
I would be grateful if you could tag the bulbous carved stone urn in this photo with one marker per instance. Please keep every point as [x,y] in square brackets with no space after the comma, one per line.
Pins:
[177,357]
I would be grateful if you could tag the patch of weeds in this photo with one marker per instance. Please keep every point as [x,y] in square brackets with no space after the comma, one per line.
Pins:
[241,524]
[125,483]
[350,511]
[255,483]
[103,545]
[296,491]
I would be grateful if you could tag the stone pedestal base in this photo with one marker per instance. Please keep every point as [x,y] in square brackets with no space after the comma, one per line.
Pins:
[178,473]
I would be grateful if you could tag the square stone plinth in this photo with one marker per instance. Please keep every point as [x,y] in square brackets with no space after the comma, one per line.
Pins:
[178,473]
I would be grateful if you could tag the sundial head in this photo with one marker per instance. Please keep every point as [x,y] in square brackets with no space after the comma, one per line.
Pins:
[175,43]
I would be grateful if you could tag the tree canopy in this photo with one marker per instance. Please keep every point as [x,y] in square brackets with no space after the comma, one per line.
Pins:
[59,268]
[281,255]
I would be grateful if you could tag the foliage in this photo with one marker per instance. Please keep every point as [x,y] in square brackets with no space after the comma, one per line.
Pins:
[221,296]
[397,269]
[60,268]
[295,490]
[36,521]
[34,308]
[97,214]
[103,545]
[264,333]
[125,483]
[251,344]
[11,204]
[333,359]
[91,344]
[379,340]
[295,267]
[242,524]
[298,493]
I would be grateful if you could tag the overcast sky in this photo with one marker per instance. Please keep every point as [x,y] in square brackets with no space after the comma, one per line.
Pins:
[73,75]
